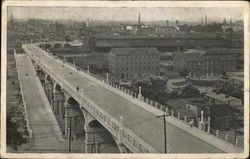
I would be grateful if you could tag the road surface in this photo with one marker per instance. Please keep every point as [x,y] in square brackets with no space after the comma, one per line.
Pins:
[138,120]
[46,133]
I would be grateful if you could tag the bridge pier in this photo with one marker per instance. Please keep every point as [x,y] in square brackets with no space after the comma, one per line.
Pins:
[72,111]
[70,116]
[92,140]
[58,102]
[97,138]
[41,76]
[122,148]
[48,87]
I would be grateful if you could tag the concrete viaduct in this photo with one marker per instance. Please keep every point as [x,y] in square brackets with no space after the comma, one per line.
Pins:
[111,114]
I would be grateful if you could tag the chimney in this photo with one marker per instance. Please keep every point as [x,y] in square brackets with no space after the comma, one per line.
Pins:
[206,20]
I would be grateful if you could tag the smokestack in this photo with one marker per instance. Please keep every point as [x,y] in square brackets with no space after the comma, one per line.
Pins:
[206,20]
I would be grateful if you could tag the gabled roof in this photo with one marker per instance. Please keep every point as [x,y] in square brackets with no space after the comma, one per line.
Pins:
[136,51]
[221,97]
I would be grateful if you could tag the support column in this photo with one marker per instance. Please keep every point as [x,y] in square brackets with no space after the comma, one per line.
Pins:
[68,115]
[48,87]
[94,138]
[66,120]
[56,99]
[61,108]
[73,127]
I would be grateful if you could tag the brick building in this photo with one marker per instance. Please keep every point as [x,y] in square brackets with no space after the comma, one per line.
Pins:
[210,62]
[129,63]
[217,99]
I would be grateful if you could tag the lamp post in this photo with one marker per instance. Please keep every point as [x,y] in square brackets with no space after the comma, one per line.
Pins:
[165,131]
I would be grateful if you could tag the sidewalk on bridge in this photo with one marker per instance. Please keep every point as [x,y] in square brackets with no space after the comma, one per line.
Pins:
[41,118]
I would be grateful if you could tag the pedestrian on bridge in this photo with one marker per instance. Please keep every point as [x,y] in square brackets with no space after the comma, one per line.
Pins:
[77,88]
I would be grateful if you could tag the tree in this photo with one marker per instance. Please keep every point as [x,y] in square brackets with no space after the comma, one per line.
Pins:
[189,91]
[228,88]
[67,38]
[66,45]
[153,88]
[57,45]
[14,137]
[184,73]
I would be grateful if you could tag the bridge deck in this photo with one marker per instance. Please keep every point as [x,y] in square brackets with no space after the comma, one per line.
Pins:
[138,120]
[46,133]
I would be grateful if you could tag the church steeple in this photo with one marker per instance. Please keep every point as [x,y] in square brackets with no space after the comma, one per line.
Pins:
[206,20]
[224,21]
[11,20]
[138,29]
[139,19]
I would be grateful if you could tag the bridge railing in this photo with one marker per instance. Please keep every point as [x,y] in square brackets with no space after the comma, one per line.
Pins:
[128,137]
[153,103]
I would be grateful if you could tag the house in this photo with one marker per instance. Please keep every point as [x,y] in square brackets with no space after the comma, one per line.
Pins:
[218,99]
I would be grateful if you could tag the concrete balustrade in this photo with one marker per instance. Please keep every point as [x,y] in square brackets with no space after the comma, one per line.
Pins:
[208,129]
[152,103]
[185,118]
[217,133]
[236,142]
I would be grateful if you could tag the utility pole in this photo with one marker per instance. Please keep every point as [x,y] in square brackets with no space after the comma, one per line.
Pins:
[70,134]
[94,148]
[165,131]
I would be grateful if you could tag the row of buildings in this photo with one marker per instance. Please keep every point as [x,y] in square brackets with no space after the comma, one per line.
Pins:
[219,110]
[129,63]
[208,62]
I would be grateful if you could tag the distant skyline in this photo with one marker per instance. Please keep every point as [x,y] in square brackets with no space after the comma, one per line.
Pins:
[189,14]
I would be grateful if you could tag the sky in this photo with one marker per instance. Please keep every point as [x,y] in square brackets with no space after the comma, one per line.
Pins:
[127,13]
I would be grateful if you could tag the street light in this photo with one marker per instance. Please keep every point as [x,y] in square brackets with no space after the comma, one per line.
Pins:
[165,131]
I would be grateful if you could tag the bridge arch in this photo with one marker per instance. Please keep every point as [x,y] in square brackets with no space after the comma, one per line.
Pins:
[41,76]
[48,78]
[58,101]
[48,86]
[104,141]
[74,117]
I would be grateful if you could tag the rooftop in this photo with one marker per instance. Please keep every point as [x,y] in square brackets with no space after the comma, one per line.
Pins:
[180,103]
[134,51]
[221,97]
[189,37]
[213,53]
